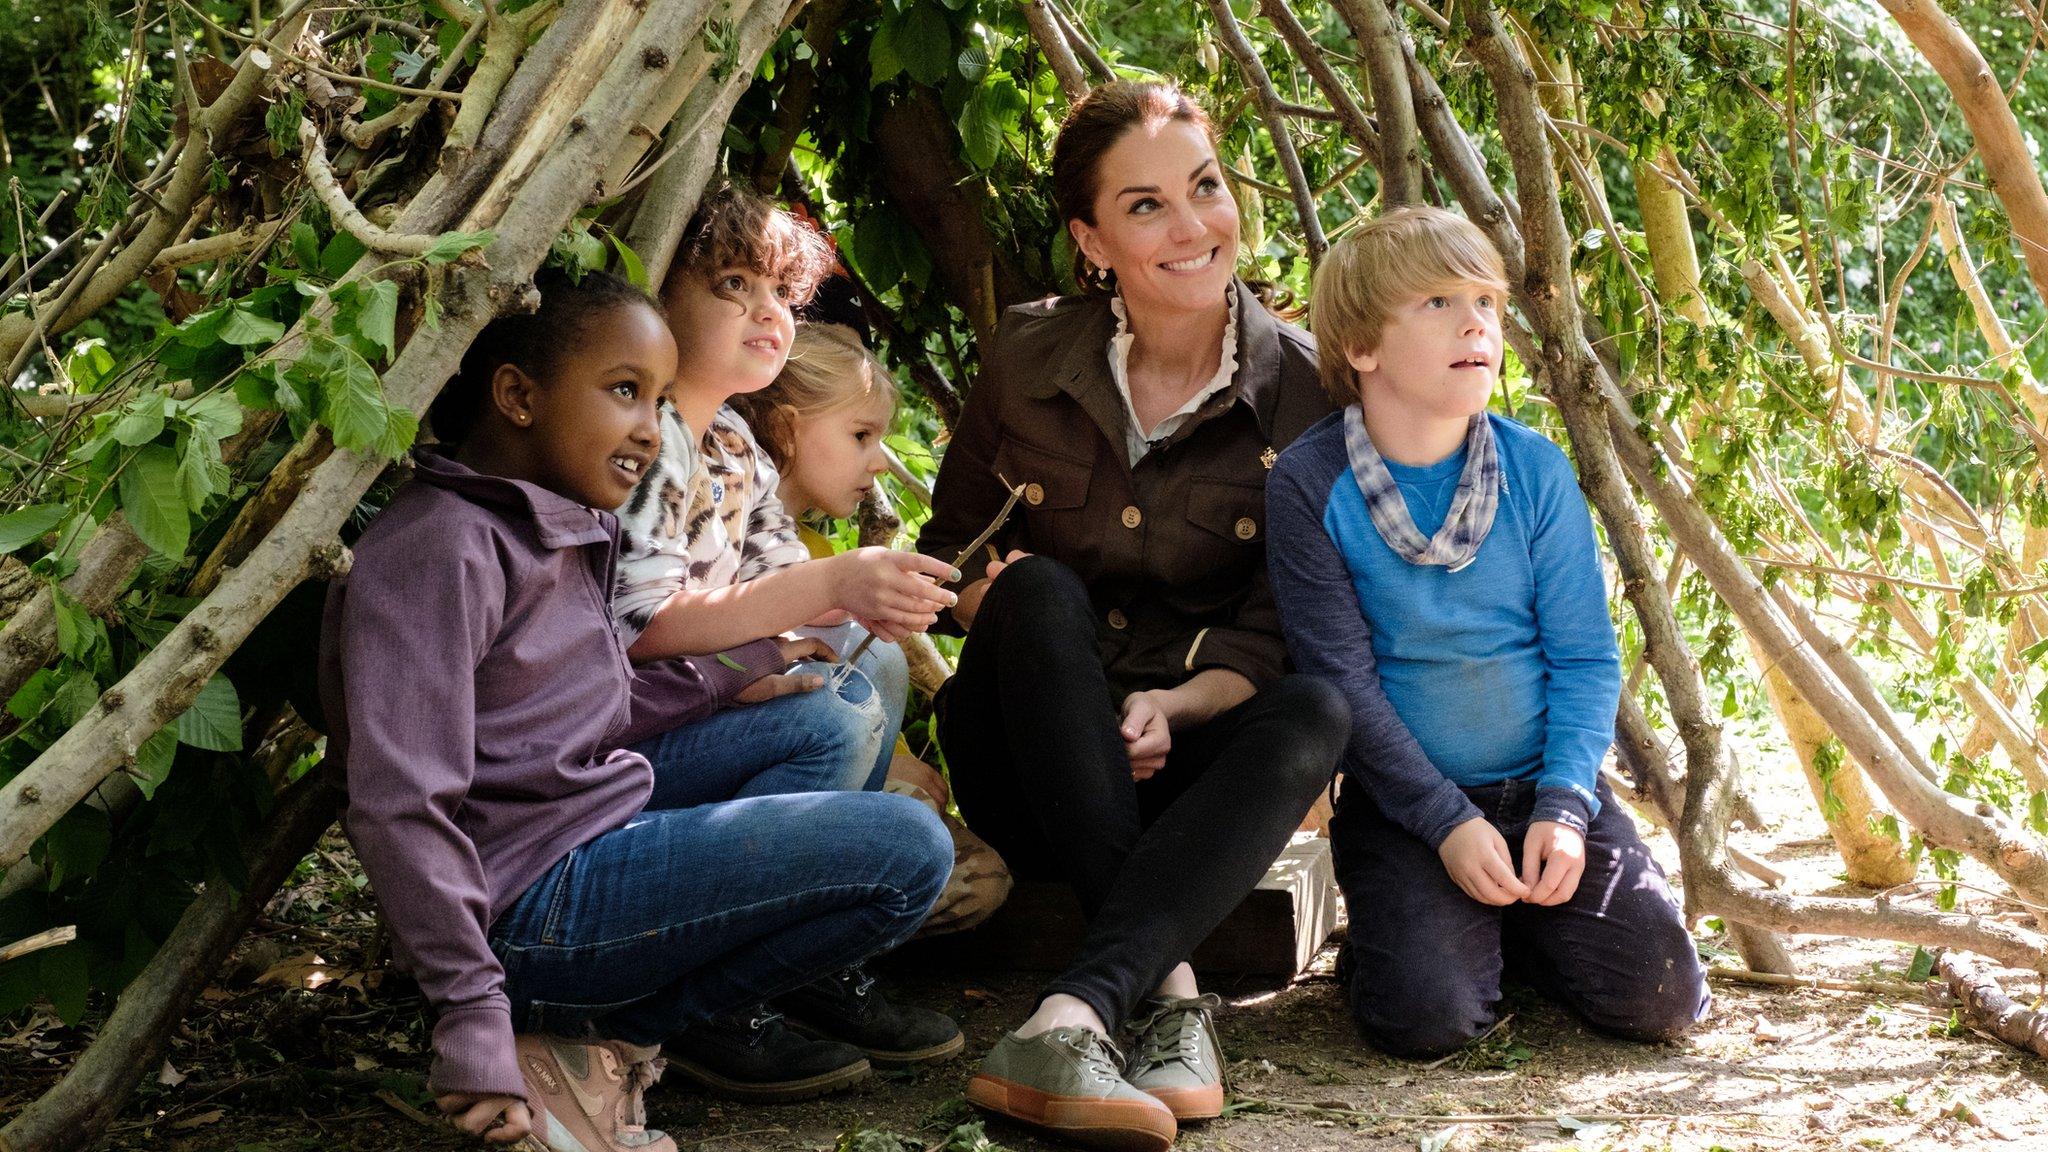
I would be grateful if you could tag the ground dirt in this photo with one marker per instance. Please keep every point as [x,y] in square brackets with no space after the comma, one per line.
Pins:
[302,1045]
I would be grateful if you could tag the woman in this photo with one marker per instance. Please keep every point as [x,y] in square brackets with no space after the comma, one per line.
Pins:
[1120,717]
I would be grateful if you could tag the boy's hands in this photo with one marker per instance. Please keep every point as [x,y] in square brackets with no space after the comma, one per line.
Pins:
[970,596]
[794,649]
[893,594]
[1553,859]
[498,1119]
[1147,737]
[1476,856]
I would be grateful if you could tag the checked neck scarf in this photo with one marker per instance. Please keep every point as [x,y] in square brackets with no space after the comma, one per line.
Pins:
[1472,509]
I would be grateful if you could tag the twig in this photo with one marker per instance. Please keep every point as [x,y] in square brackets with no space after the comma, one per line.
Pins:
[1450,1056]
[1777,980]
[36,943]
[987,534]
[345,213]
[1487,1117]
[1276,128]
[1045,29]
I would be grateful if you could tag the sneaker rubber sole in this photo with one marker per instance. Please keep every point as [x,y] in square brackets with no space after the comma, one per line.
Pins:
[1204,1103]
[774,1092]
[884,1057]
[1114,1125]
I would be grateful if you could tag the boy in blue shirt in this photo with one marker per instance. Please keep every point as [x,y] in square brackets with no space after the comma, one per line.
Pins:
[1438,564]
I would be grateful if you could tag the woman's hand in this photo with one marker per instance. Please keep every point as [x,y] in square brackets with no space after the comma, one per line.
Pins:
[794,649]
[970,596]
[892,594]
[1148,736]
[498,1119]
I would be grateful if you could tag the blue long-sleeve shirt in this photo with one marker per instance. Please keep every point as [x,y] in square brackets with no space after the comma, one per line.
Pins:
[1504,670]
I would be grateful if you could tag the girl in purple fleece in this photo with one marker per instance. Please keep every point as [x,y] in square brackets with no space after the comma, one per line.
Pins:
[560,929]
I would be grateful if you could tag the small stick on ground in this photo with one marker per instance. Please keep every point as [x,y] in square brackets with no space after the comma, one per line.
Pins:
[1775,980]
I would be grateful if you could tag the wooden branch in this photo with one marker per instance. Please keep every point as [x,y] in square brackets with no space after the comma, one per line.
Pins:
[74,1113]
[673,191]
[2001,147]
[1345,110]
[213,248]
[505,37]
[321,176]
[1384,46]
[165,681]
[1986,1005]
[193,166]
[36,943]
[1082,45]
[1898,988]
[1275,120]
[1052,43]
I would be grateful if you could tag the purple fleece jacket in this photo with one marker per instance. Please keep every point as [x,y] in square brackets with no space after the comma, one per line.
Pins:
[477,691]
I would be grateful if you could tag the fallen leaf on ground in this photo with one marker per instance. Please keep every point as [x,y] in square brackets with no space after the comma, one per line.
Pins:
[169,1077]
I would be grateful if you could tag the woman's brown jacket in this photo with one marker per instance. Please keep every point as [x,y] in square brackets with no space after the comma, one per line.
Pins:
[1173,551]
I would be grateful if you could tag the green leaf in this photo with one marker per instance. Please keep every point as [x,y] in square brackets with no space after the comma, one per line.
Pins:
[142,421]
[376,315]
[352,405]
[451,245]
[731,663]
[629,261]
[244,328]
[1922,966]
[988,118]
[78,631]
[31,523]
[400,430]
[201,472]
[64,980]
[214,721]
[924,42]
[153,761]
[305,246]
[883,62]
[153,501]
[218,414]
[77,843]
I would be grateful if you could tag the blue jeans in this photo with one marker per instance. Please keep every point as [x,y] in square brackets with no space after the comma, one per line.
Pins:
[888,669]
[825,740]
[687,914]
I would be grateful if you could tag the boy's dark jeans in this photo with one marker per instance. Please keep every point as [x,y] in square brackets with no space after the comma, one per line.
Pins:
[1031,737]
[1426,960]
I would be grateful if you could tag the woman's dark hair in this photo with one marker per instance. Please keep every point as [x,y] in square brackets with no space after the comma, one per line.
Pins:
[529,341]
[1093,126]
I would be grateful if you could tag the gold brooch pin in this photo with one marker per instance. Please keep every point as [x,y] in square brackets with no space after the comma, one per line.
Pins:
[1268,456]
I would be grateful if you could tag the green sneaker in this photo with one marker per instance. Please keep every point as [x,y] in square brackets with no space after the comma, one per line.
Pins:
[1067,1080]
[1175,1057]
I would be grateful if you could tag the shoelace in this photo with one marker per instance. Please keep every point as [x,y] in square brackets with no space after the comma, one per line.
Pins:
[1174,1032]
[1100,1058]
[757,1024]
[640,1076]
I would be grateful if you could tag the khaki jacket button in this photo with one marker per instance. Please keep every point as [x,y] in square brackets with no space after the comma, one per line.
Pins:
[1247,528]
[1034,494]
[1118,620]
[1133,517]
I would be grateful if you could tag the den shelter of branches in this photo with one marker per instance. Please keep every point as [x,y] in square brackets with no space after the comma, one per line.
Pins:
[1779,274]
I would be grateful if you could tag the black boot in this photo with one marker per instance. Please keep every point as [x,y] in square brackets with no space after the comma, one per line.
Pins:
[847,1006]
[755,1057]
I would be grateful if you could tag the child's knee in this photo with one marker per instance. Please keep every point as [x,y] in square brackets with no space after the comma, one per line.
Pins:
[1420,1010]
[1662,1004]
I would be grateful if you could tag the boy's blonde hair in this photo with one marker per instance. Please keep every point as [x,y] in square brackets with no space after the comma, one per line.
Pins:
[1410,250]
[828,368]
